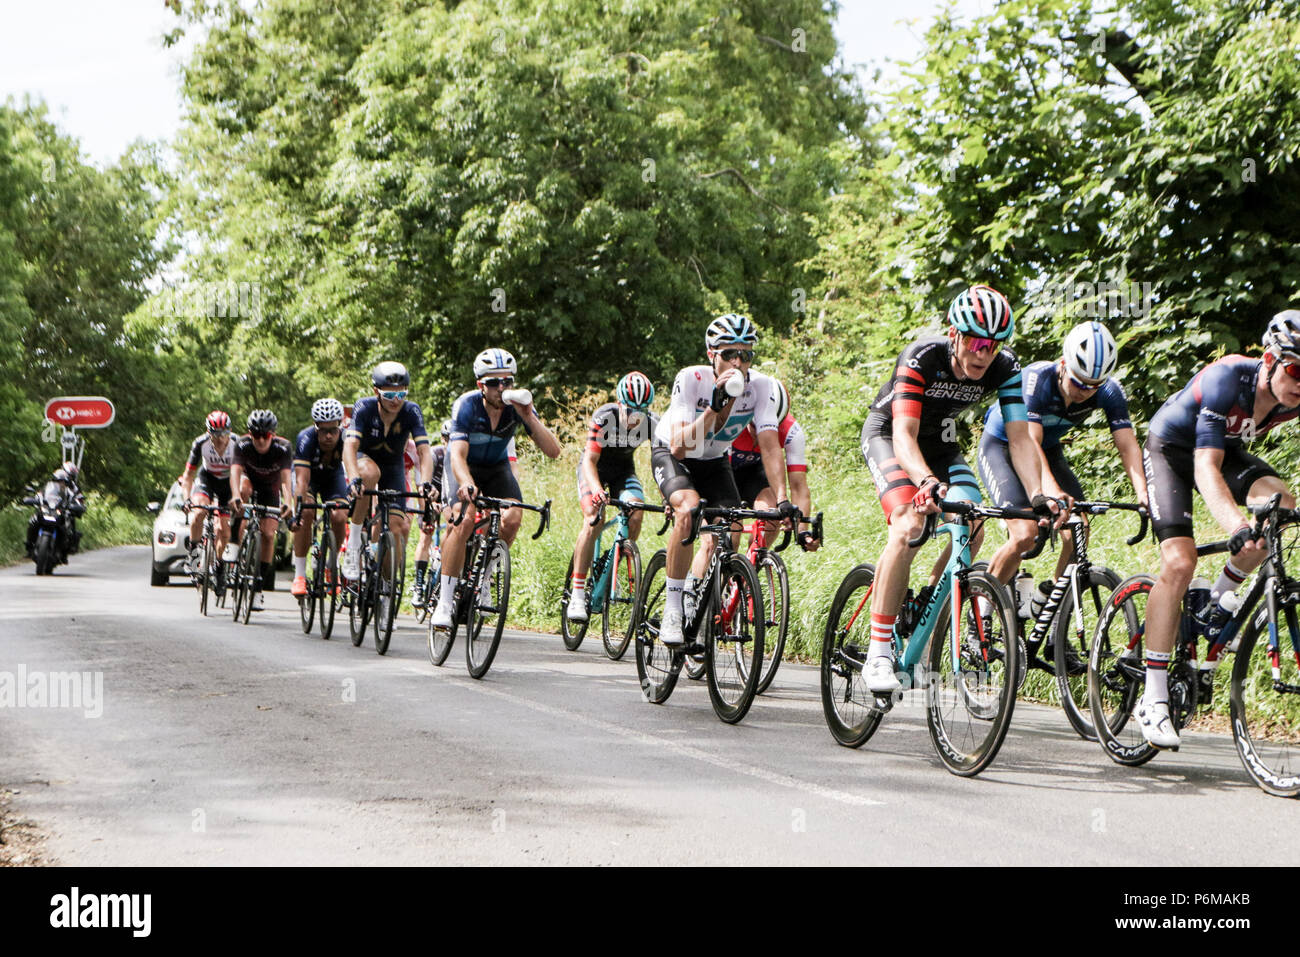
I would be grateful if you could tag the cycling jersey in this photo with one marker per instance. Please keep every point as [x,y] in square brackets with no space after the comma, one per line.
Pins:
[307,452]
[615,436]
[263,468]
[1216,407]
[924,387]
[692,394]
[385,444]
[745,452]
[470,423]
[1045,405]
[205,457]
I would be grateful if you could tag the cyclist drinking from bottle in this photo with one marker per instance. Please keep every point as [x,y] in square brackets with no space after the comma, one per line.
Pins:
[617,430]
[1197,440]
[318,476]
[910,443]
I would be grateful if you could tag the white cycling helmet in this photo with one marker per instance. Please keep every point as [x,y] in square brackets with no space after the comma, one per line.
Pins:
[1091,353]
[730,330]
[1282,337]
[782,400]
[327,410]
[495,361]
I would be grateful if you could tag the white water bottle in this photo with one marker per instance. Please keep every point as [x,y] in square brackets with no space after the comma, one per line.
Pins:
[520,397]
[1025,593]
[735,385]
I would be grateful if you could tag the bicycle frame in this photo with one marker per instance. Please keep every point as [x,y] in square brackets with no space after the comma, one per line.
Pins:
[909,650]
[606,578]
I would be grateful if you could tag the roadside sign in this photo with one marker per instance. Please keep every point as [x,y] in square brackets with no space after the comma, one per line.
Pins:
[81,411]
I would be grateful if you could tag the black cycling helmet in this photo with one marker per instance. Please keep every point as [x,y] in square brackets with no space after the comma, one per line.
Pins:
[390,375]
[262,420]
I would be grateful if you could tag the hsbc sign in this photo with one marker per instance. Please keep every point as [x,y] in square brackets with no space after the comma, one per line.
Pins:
[81,411]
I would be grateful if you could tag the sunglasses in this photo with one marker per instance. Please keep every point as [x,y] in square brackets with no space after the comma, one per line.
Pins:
[977,345]
[219,433]
[1291,368]
[393,394]
[1085,386]
[327,430]
[498,382]
[261,435]
[731,355]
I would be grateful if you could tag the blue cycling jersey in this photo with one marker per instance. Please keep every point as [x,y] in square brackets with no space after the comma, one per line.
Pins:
[1045,405]
[386,446]
[1217,407]
[308,453]
[470,423]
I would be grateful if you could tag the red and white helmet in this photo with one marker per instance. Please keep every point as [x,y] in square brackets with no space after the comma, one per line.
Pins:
[636,391]
[218,421]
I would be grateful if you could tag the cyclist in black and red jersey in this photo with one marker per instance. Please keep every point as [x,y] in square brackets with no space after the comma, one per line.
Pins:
[209,463]
[607,470]
[910,443]
[260,471]
[1197,441]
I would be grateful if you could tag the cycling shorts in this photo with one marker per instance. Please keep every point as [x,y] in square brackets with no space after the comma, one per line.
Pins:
[495,481]
[711,478]
[1004,485]
[216,489]
[1171,470]
[892,483]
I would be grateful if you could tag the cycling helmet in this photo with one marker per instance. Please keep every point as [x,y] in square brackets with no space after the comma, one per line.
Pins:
[983,312]
[218,421]
[1090,353]
[327,410]
[72,470]
[390,375]
[636,391]
[262,420]
[60,475]
[782,400]
[1282,337]
[730,330]
[446,430]
[497,361]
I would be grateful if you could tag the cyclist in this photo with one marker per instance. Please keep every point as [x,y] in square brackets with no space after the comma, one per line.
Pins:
[689,456]
[1059,395]
[210,457]
[1197,440]
[483,423]
[372,454]
[318,476]
[909,441]
[751,478]
[260,470]
[617,430]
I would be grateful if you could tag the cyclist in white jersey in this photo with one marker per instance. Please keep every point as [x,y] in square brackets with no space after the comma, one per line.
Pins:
[692,441]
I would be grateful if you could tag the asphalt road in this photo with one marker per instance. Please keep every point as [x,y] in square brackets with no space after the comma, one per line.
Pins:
[218,743]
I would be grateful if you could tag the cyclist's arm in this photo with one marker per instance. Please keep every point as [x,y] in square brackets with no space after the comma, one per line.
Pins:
[1026,456]
[1214,489]
[458,462]
[908,448]
[236,480]
[1045,477]
[590,475]
[769,445]
[187,481]
[1130,453]
[800,495]
[425,453]
[302,478]
[286,489]
[350,467]
[539,433]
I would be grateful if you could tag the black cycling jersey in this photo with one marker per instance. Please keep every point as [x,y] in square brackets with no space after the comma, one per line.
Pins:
[263,468]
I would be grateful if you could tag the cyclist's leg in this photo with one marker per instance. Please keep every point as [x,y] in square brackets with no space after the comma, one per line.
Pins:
[198,496]
[950,467]
[585,546]
[393,478]
[1070,485]
[1006,491]
[716,484]
[632,492]
[678,490]
[1252,481]
[302,534]
[368,472]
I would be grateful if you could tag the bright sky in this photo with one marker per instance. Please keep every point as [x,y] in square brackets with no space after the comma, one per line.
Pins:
[101,67]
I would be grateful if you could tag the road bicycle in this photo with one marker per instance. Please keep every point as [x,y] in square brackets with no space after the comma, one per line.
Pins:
[482,594]
[248,561]
[1069,614]
[322,587]
[374,597]
[973,662]
[1264,689]
[723,619]
[612,584]
[422,602]
[210,576]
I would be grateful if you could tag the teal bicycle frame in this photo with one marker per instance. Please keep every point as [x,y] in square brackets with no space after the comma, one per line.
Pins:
[909,656]
[602,566]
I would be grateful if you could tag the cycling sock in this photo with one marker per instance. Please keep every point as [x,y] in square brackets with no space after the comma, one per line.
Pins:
[354,537]
[448,590]
[1228,580]
[300,566]
[674,589]
[882,633]
[579,583]
[421,568]
[1157,688]
[268,576]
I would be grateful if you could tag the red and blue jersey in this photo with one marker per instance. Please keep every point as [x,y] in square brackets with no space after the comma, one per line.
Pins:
[1217,407]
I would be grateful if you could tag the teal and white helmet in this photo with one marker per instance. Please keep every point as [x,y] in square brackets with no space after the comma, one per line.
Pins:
[983,312]
[731,330]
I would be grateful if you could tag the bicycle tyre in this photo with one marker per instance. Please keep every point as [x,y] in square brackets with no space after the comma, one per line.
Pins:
[572,632]
[1115,684]
[622,600]
[733,649]
[307,603]
[243,580]
[774,584]
[209,571]
[1073,689]
[358,600]
[1262,730]
[657,667]
[968,725]
[390,579]
[326,583]
[480,650]
[847,705]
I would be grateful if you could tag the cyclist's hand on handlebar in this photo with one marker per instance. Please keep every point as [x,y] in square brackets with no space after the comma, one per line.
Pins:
[927,497]
[426,489]
[789,511]
[186,507]
[807,542]
[466,493]
[236,505]
[355,486]
[1243,540]
[1049,511]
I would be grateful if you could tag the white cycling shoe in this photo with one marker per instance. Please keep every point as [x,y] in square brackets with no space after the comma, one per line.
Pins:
[670,629]
[878,673]
[440,620]
[259,602]
[352,566]
[577,608]
[1156,725]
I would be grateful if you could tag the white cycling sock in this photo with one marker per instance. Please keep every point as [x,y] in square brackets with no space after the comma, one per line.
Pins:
[354,537]
[300,566]
[674,590]
[1157,687]
[448,590]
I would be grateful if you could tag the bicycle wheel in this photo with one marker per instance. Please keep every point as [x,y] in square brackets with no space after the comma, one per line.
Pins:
[733,649]
[307,603]
[657,667]
[209,573]
[971,688]
[849,708]
[359,601]
[325,582]
[245,575]
[389,582]
[774,584]
[440,642]
[1117,672]
[1263,706]
[1071,641]
[572,632]
[619,616]
[487,621]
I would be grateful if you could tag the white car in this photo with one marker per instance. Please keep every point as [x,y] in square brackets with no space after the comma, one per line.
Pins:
[169,531]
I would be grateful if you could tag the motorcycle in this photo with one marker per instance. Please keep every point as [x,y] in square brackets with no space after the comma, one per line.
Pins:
[51,533]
